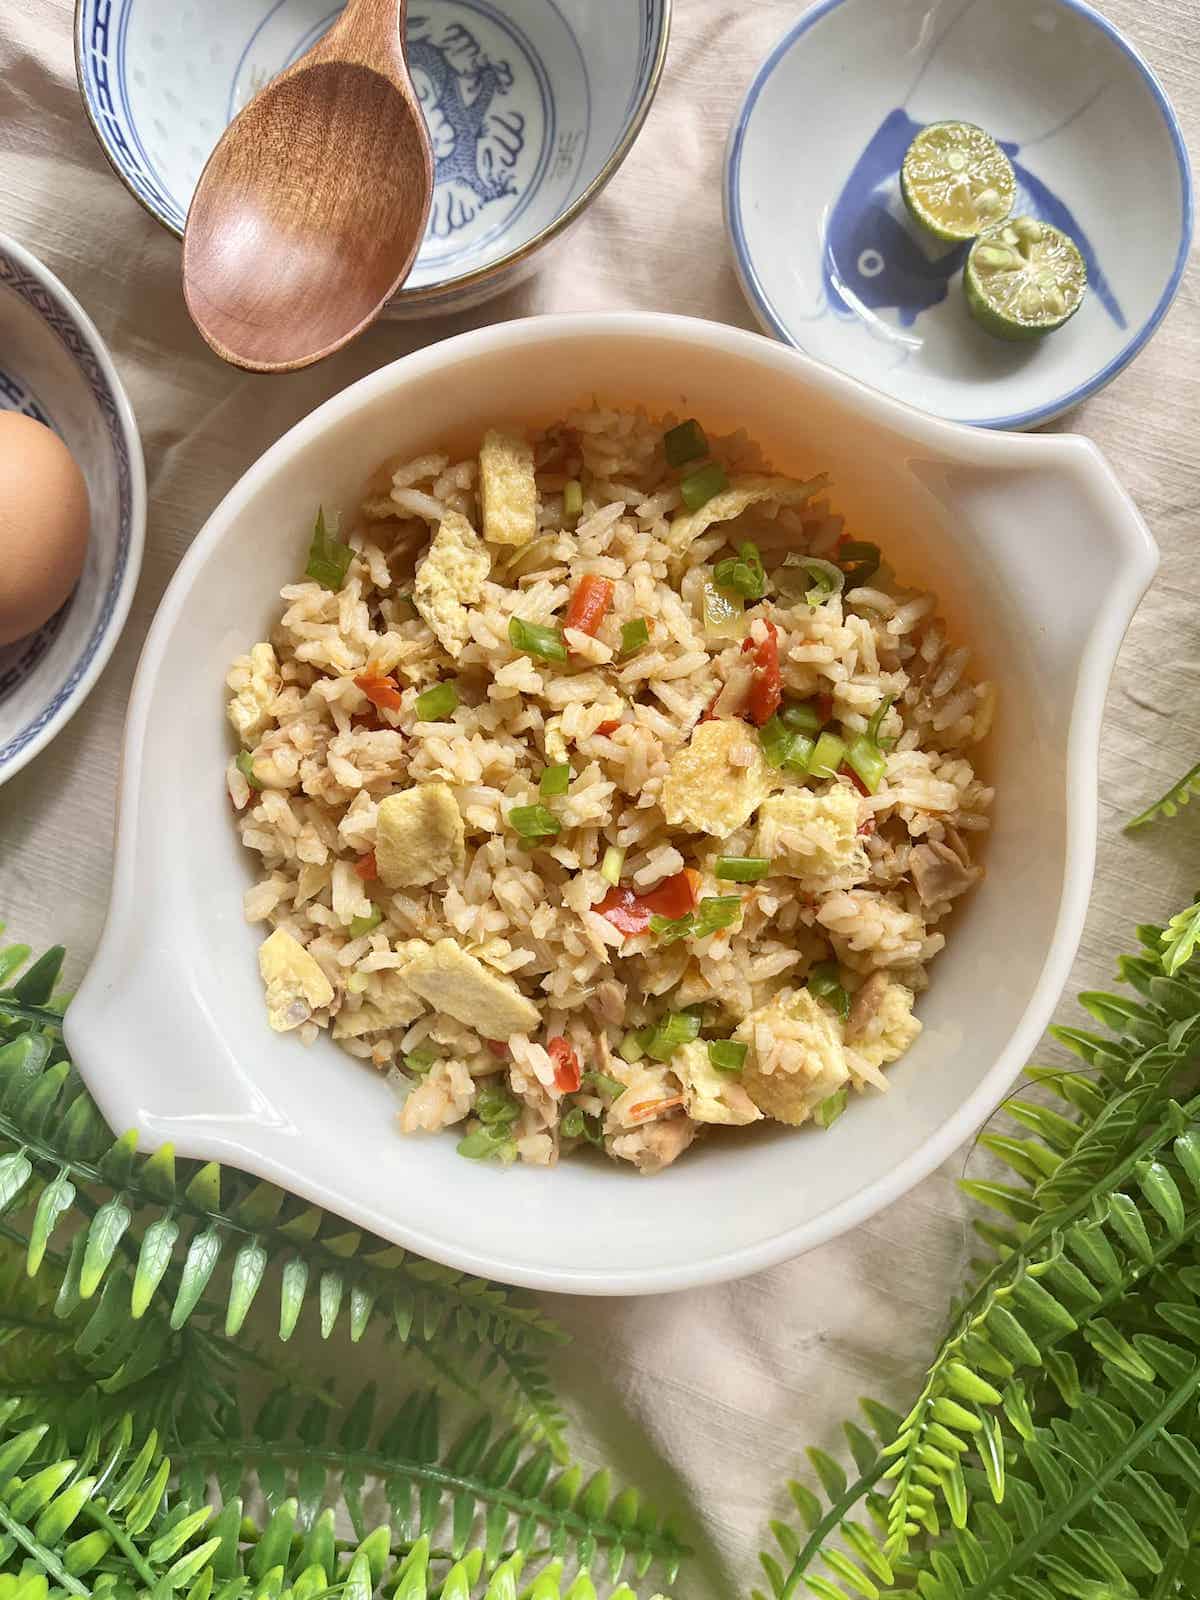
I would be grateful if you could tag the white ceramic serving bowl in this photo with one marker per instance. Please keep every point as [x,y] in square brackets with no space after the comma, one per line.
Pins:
[825,250]
[532,106]
[54,367]
[1040,559]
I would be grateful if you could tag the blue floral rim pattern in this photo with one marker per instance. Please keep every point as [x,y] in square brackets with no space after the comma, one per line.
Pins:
[100,28]
[762,301]
[57,317]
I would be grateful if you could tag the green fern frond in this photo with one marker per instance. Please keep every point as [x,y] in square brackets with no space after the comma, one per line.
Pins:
[1167,805]
[173,1225]
[1106,1198]
[118,1511]
[1180,939]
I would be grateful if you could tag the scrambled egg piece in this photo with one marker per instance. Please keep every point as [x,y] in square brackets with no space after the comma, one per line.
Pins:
[418,836]
[792,1097]
[452,981]
[710,1095]
[743,492]
[813,837]
[295,984]
[897,1028]
[392,1005]
[250,708]
[507,488]
[451,578]
[704,790]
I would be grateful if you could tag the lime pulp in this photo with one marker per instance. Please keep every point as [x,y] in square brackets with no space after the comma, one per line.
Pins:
[1024,279]
[957,181]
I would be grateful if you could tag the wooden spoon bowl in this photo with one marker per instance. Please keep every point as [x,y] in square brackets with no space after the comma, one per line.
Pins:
[310,211]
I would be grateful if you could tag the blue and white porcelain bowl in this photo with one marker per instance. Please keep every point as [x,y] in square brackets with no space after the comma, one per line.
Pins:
[54,367]
[532,106]
[827,255]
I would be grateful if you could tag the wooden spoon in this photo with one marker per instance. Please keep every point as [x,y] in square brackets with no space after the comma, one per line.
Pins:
[311,209]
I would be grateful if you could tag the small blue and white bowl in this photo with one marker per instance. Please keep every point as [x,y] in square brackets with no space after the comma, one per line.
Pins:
[532,106]
[825,250]
[54,367]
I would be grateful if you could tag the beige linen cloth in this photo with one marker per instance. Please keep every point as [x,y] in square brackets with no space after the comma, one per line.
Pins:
[706,1399]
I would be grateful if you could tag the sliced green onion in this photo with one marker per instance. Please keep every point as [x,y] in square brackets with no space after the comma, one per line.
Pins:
[613,865]
[632,1047]
[716,912]
[828,754]
[876,722]
[436,704]
[860,561]
[776,742]
[699,487]
[572,497]
[494,1105]
[420,1061]
[670,929]
[244,762]
[534,822]
[685,443]
[801,716]
[534,640]
[800,755]
[866,759]
[486,1142]
[572,1124]
[676,1028]
[361,925]
[328,558]
[555,780]
[742,573]
[742,869]
[603,1084]
[577,1124]
[828,580]
[727,1055]
[831,1109]
[635,636]
[825,981]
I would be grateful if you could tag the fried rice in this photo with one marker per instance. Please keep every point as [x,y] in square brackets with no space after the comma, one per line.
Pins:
[657,857]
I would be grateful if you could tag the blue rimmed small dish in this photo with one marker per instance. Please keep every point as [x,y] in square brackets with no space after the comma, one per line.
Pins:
[532,106]
[55,368]
[823,245]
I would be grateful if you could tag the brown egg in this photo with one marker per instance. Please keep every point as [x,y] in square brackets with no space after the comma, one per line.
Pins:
[44,523]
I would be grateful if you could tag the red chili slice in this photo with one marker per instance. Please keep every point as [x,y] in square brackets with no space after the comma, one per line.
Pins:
[625,911]
[766,691]
[606,728]
[366,867]
[380,690]
[674,897]
[631,913]
[568,1074]
[588,604]
[849,772]
[498,1048]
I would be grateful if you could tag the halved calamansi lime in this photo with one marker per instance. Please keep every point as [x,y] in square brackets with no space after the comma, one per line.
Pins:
[1024,279]
[957,181]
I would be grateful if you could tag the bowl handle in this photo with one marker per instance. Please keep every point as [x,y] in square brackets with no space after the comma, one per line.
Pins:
[136,1010]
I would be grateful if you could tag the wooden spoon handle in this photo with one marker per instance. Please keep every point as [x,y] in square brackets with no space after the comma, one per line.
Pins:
[368,33]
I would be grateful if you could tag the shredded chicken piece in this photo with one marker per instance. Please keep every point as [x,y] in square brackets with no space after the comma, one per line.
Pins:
[733,696]
[866,1007]
[938,873]
[654,1147]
